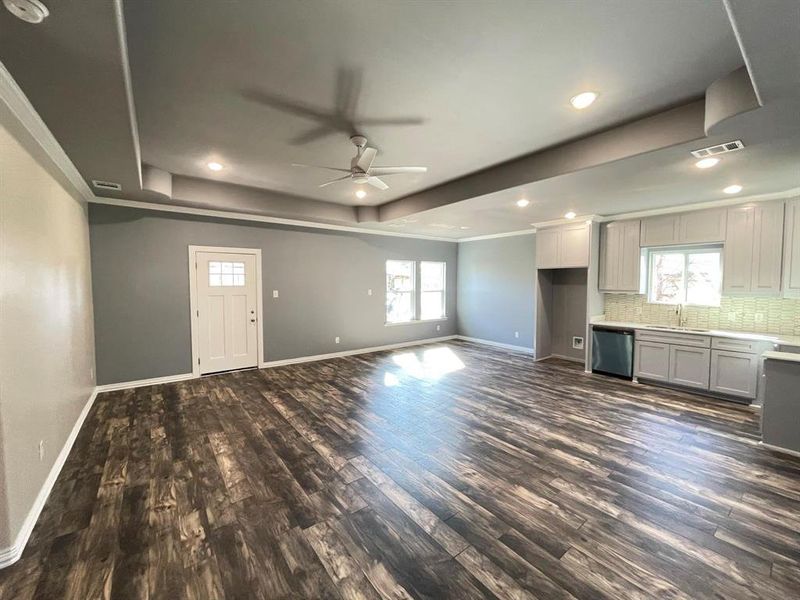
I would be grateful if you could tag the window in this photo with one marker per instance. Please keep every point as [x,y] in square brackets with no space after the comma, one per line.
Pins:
[432,290]
[400,287]
[685,275]
[225,274]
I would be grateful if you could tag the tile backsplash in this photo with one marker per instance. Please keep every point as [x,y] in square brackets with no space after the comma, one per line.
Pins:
[763,315]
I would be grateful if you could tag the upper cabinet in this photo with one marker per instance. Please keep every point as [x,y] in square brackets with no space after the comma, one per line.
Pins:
[697,227]
[619,256]
[563,247]
[753,249]
[791,251]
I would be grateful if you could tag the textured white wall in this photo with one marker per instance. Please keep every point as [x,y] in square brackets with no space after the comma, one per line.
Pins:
[46,324]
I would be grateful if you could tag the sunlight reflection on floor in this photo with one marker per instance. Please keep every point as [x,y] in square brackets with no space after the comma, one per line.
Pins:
[435,363]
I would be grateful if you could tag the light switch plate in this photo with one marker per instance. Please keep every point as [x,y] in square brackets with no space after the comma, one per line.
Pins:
[274,293]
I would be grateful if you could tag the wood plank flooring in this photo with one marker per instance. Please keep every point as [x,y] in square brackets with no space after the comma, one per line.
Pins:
[443,471]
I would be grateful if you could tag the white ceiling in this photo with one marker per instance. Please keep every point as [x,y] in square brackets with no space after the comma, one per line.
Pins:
[489,81]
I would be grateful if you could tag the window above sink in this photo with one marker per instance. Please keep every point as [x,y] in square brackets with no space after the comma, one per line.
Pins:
[690,275]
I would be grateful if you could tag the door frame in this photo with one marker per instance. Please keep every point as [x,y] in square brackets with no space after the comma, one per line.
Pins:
[193,301]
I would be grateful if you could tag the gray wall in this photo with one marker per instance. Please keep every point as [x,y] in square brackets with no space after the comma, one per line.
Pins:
[47,350]
[569,311]
[496,283]
[140,279]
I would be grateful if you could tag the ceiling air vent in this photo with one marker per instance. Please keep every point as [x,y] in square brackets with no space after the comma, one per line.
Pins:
[718,149]
[106,185]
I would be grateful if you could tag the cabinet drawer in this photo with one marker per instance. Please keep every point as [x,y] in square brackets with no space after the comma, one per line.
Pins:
[668,337]
[734,345]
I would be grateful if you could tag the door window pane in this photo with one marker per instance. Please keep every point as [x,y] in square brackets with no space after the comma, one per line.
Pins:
[226,274]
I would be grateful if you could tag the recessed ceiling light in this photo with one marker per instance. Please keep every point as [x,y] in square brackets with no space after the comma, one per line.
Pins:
[733,189]
[463,227]
[361,194]
[215,166]
[569,215]
[523,203]
[706,163]
[583,100]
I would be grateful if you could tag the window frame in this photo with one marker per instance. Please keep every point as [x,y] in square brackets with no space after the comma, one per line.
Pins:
[412,292]
[443,290]
[685,251]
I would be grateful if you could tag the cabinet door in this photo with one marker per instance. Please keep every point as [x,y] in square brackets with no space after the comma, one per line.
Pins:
[702,226]
[791,251]
[767,249]
[652,361]
[610,248]
[574,251]
[734,373]
[548,243]
[738,258]
[689,366]
[630,257]
[660,231]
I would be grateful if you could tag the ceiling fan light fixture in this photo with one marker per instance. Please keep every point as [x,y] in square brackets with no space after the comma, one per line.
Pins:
[361,194]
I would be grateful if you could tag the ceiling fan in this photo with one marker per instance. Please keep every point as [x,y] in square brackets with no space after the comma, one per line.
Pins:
[361,170]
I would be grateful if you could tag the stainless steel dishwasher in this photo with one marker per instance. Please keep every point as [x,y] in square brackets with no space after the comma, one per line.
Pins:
[612,352]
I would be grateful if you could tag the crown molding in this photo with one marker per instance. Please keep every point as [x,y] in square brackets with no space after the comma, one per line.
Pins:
[21,108]
[493,236]
[231,216]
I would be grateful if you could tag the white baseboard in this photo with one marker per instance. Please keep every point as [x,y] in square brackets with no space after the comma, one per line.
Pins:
[316,357]
[9,556]
[781,450]
[495,344]
[126,385]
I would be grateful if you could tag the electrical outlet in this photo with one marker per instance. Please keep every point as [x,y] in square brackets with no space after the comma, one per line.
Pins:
[336,339]
[274,293]
[516,334]
[759,317]
[41,450]
[369,292]
[438,328]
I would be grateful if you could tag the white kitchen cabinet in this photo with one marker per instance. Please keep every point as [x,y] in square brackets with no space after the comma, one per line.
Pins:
[619,256]
[702,226]
[659,231]
[696,227]
[753,250]
[652,360]
[563,247]
[689,366]
[791,253]
[547,248]
[734,373]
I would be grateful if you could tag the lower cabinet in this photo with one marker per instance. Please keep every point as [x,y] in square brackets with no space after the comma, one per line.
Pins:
[734,373]
[652,361]
[689,366]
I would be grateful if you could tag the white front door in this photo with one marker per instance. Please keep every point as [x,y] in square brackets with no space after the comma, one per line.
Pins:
[227,311]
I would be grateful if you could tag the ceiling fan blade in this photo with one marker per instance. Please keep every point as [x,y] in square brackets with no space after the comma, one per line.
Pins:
[375,182]
[332,181]
[365,159]
[321,167]
[396,170]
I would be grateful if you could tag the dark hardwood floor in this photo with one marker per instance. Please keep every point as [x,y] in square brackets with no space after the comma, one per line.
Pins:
[444,471]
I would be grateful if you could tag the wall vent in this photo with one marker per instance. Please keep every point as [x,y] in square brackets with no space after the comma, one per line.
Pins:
[718,149]
[106,185]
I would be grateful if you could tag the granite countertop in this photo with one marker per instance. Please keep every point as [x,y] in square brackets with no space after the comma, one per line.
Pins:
[776,338]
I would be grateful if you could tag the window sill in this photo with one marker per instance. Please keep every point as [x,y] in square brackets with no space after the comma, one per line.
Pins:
[415,321]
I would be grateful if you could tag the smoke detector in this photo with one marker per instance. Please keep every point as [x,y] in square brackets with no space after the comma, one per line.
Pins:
[718,149]
[30,11]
